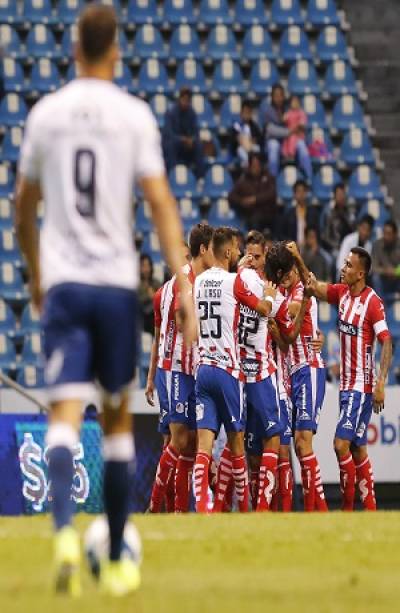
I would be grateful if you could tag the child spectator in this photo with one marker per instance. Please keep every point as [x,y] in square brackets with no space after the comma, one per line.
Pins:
[296,121]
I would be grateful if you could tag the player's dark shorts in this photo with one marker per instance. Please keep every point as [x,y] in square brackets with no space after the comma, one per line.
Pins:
[308,392]
[286,415]
[219,400]
[182,399]
[90,335]
[263,420]
[354,417]
[160,381]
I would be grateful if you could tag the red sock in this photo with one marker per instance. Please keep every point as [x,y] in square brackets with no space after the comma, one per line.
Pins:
[320,501]
[347,481]
[275,495]
[224,477]
[183,480]
[308,477]
[201,481]
[165,470]
[268,470]
[228,497]
[285,485]
[241,479]
[254,488]
[170,495]
[365,480]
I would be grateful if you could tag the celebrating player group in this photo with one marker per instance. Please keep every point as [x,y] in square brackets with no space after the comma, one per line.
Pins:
[256,375]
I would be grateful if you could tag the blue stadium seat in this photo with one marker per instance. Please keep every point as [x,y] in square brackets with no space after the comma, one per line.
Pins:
[143,11]
[159,105]
[32,349]
[71,72]
[339,79]
[364,184]
[263,76]
[317,134]
[393,318]
[37,11]
[68,11]
[189,213]
[221,214]
[327,317]
[213,153]
[11,144]
[45,76]
[347,113]
[190,73]
[9,248]
[324,182]
[8,355]
[125,47]
[149,43]
[7,319]
[315,111]
[356,148]
[13,110]
[6,214]
[123,76]
[151,246]
[217,182]
[9,12]
[322,12]
[221,44]
[286,13]
[69,38]
[30,321]
[250,12]
[185,43]
[376,209]
[303,79]
[11,285]
[10,41]
[294,45]
[153,78]
[7,181]
[227,78]
[40,42]
[331,45]
[12,75]
[257,44]
[204,112]
[212,12]
[143,218]
[285,181]
[182,181]
[230,110]
[117,6]
[179,11]
[30,376]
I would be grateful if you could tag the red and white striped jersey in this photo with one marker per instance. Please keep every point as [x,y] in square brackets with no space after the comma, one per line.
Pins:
[164,318]
[361,321]
[183,356]
[301,352]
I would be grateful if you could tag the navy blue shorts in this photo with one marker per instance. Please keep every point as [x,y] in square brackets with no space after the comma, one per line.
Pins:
[308,393]
[160,381]
[89,335]
[355,415]
[219,400]
[182,399]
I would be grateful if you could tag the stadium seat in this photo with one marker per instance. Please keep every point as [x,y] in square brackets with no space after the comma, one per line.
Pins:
[12,75]
[7,181]
[125,47]
[9,248]
[123,76]
[11,144]
[339,79]
[32,349]
[393,318]
[227,78]
[183,182]
[221,43]
[257,44]
[204,112]
[179,12]
[324,182]
[71,72]
[221,214]
[13,110]
[331,45]
[185,43]
[250,12]
[151,246]
[159,105]
[8,355]
[11,286]
[321,13]
[40,42]
[45,77]
[30,376]
[212,12]
[153,78]
[190,73]
[286,13]
[143,11]
[315,111]
[10,41]
[376,209]
[143,218]
[69,38]
[364,184]
[356,148]
[294,45]
[212,149]
[7,319]
[30,321]
[9,12]
[37,11]
[327,317]
[230,111]
[263,77]
[149,43]
[303,79]
[6,214]
[217,182]
[68,11]
[189,213]
[285,181]
[347,113]
[117,6]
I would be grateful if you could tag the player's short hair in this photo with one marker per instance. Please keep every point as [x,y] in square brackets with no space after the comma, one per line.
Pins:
[222,236]
[97,30]
[201,234]
[364,258]
[254,237]
[279,262]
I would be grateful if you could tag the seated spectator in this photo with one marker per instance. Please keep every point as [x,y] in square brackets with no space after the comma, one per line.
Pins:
[181,139]
[146,290]
[386,261]
[276,132]
[360,238]
[302,214]
[253,195]
[296,120]
[245,135]
[315,259]
[337,223]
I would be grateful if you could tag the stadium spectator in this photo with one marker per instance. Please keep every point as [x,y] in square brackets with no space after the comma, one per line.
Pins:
[337,223]
[253,195]
[293,225]
[181,139]
[296,120]
[146,290]
[276,131]
[314,258]
[386,261]
[360,238]
[245,136]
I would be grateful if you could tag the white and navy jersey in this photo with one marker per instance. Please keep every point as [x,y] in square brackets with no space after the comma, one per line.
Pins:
[87,145]
[164,315]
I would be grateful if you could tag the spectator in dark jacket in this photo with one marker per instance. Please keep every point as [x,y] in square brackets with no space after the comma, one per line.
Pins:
[181,140]
[386,261]
[337,224]
[293,225]
[254,195]
[276,132]
[245,135]
[313,257]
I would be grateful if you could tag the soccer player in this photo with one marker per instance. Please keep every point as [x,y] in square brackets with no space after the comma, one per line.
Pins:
[84,149]
[361,321]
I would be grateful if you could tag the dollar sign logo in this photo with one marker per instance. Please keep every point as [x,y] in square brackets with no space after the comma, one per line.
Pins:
[34,487]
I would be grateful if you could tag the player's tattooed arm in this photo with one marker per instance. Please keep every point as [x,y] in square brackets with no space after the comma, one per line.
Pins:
[386,360]
[149,391]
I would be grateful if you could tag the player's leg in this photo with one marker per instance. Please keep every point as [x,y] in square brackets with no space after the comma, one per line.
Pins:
[187,450]
[224,479]
[163,428]
[285,474]
[254,450]
[364,474]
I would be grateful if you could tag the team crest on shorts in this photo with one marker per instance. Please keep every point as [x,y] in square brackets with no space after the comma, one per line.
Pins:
[199,411]
[180,408]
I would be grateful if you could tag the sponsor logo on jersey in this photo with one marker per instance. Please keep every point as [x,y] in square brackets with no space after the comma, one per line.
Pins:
[250,366]
[346,328]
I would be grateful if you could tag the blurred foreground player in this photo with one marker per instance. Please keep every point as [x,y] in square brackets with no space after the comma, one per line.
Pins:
[85,147]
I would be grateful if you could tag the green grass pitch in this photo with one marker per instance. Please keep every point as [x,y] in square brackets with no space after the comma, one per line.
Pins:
[229,563]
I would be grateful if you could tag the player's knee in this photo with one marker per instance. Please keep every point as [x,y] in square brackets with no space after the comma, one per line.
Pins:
[236,443]
[303,445]
[341,447]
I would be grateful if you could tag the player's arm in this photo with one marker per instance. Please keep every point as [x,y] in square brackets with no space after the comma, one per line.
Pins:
[290,334]
[246,297]
[277,336]
[149,391]
[382,333]
[319,289]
